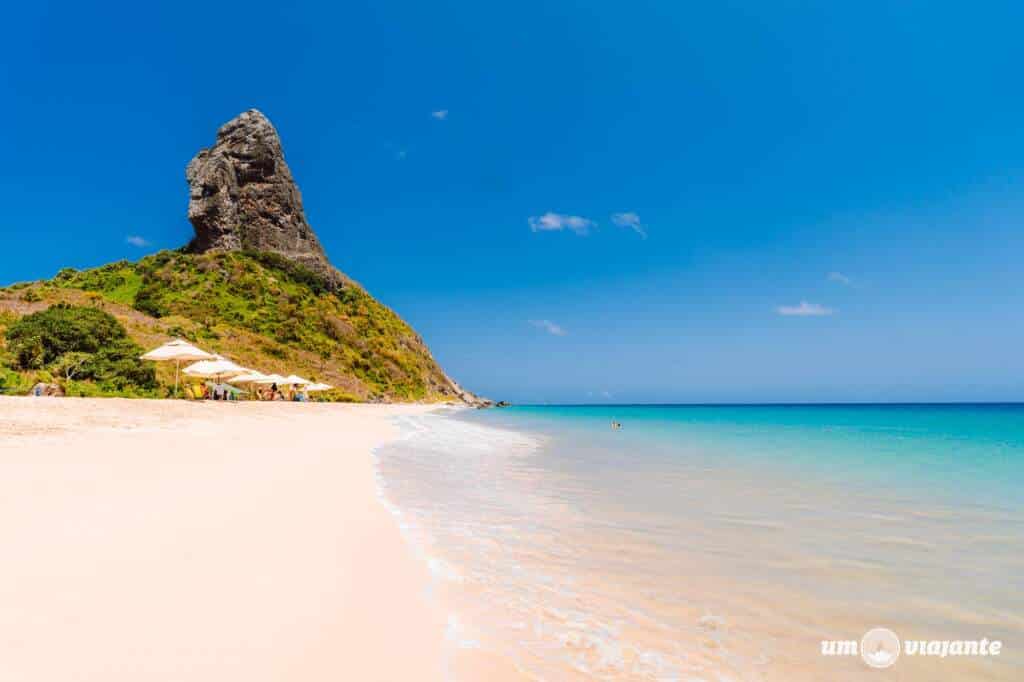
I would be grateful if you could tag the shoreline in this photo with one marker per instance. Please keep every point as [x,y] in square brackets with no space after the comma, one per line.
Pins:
[562,546]
[154,540]
[201,541]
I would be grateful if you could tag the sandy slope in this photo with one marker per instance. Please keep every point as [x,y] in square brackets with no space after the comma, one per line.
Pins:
[173,541]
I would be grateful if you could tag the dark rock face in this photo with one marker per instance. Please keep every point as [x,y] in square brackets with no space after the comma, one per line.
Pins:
[242,197]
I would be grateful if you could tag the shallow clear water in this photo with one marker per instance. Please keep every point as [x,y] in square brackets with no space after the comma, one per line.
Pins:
[719,543]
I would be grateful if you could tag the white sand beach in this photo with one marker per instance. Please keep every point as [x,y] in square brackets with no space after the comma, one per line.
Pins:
[167,540]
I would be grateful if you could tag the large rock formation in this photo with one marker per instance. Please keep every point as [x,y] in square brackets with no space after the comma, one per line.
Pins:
[242,197]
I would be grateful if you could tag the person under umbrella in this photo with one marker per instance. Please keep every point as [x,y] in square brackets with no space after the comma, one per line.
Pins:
[274,381]
[296,382]
[252,377]
[214,369]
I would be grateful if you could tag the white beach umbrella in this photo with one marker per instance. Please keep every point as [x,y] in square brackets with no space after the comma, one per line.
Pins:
[251,377]
[293,380]
[319,387]
[178,351]
[268,379]
[271,379]
[215,369]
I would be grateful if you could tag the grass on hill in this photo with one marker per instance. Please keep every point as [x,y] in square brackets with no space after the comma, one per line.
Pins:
[260,309]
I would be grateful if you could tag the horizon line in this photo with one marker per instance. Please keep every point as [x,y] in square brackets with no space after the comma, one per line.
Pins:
[786,404]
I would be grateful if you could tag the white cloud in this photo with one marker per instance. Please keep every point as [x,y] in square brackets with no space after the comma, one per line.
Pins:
[549,326]
[805,309]
[839,277]
[440,114]
[631,220]
[136,240]
[553,222]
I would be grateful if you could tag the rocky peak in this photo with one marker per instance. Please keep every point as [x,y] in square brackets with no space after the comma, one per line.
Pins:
[242,197]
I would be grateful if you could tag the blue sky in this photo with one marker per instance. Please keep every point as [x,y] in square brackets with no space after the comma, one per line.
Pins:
[620,200]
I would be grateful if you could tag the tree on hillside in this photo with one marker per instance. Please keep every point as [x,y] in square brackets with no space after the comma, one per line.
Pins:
[38,339]
[79,343]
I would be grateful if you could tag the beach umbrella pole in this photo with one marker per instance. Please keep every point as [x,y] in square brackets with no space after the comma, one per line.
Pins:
[177,366]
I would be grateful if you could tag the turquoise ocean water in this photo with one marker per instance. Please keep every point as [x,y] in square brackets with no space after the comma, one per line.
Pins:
[719,542]
[974,453]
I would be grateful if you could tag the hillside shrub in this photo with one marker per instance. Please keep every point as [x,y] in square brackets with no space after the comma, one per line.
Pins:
[79,343]
[39,339]
[296,272]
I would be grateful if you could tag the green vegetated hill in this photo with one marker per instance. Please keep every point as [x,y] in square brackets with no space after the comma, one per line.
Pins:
[259,309]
